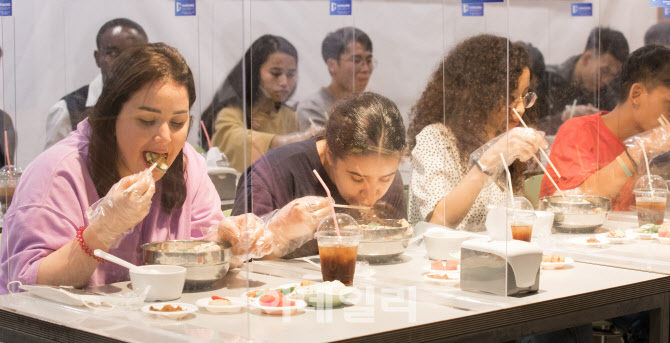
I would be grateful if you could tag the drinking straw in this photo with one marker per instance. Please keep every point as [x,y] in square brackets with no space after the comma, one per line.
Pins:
[330,199]
[311,122]
[9,165]
[509,179]
[572,109]
[206,134]
[541,151]
[646,161]
[363,208]
[663,120]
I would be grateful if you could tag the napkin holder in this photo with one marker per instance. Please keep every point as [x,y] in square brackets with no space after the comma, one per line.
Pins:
[484,267]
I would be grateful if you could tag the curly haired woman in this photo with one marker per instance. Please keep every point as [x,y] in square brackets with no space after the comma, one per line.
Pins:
[466,105]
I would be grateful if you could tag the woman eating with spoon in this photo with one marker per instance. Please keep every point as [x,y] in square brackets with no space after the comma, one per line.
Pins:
[99,189]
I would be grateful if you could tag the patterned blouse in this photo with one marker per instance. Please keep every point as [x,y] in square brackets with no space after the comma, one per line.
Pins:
[436,170]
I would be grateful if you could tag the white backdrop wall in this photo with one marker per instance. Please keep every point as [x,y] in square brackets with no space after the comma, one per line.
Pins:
[48,44]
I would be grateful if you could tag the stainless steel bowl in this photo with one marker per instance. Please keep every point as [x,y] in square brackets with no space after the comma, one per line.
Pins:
[384,242]
[202,268]
[577,213]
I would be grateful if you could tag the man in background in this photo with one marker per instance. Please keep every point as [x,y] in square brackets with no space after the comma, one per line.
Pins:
[114,37]
[658,34]
[348,56]
[582,84]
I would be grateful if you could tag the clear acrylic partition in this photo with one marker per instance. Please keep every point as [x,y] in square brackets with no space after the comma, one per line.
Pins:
[48,52]
[586,157]
[398,67]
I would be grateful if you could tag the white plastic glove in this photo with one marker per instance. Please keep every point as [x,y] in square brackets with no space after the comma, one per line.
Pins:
[517,144]
[294,224]
[248,236]
[125,205]
[656,142]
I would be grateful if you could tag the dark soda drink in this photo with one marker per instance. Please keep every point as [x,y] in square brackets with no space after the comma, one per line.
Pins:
[650,210]
[6,195]
[338,262]
[522,232]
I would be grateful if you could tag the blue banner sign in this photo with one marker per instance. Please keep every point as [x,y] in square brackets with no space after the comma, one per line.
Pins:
[5,8]
[581,10]
[473,10]
[666,12]
[659,3]
[184,7]
[340,7]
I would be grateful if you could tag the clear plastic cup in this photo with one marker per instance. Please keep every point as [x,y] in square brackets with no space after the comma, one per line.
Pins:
[338,252]
[521,217]
[8,180]
[650,199]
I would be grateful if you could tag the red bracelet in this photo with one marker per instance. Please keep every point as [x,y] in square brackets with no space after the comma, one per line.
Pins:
[80,238]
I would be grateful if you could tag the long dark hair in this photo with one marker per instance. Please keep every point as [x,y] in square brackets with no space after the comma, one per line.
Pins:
[133,69]
[365,123]
[230,94]
[469,84]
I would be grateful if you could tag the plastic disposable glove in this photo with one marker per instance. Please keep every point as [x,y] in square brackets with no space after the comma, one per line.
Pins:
[294,224]
[656,142]
[125,205]
[280,140]
[248,236]
[578,111]
[517,144]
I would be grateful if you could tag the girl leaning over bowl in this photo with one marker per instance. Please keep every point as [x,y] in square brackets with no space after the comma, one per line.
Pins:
[95,190]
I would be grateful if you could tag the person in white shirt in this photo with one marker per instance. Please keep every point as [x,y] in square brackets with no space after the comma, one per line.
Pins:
[113,38]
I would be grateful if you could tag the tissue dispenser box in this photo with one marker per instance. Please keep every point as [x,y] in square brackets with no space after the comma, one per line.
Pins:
[483,266]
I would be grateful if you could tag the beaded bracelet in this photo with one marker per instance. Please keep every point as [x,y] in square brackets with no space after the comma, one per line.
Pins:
[80,239]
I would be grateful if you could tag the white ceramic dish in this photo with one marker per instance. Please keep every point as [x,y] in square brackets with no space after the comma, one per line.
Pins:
[427,268]
[640,235]
[625,240]
[581,241]
[324,295]
[187,308]
[557,265]
[165,286]
[544,220]
[440,243]
[454,278]
[664,240]
[284,310]
[237,304]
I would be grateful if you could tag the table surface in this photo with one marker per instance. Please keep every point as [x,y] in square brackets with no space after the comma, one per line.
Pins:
[645,255]
[395,297]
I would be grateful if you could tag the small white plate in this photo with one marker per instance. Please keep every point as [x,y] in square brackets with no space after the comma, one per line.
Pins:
[663,240]
[454,278]
[187,308]
[236,306]
[605,237]
[581,241]
[299,304]
[557,265]
[426,268]
[639,235]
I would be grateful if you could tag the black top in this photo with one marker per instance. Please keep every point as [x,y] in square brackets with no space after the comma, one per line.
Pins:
[76,105]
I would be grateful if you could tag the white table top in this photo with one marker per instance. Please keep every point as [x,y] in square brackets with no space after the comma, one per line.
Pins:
[394,297]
